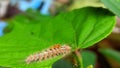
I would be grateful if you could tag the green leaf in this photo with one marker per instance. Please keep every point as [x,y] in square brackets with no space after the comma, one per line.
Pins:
[113,5]
[62,64]
[3,67]
[22,41]
[93,30]
[89,59]
[85,3]
[87,27]
[110,53]
[90,66]
[80,28]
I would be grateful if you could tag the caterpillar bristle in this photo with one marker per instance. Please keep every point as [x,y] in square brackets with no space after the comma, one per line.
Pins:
[51,52]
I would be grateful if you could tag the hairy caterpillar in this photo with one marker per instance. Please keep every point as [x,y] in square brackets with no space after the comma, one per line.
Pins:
[49,53]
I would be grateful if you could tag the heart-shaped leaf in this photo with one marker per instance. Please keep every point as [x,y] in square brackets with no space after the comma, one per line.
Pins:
[80,28]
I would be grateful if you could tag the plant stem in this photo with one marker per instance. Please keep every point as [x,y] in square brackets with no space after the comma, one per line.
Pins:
[79,57]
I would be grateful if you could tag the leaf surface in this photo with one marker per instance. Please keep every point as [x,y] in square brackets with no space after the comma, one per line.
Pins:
[110,53]
[80,28]
[113,5]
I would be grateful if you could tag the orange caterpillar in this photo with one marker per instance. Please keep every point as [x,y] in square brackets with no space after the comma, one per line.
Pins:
[49,53]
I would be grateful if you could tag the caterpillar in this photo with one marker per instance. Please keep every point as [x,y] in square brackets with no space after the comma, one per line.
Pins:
[51,52]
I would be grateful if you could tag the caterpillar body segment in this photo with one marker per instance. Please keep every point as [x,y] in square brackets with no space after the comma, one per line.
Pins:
[49,53]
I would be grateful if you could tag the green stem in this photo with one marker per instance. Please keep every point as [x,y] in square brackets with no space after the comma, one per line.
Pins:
[79,57]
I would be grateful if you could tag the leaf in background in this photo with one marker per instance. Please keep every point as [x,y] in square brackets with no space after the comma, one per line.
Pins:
[79,28]
[113,5]
[89,59]
[110,53]
[62,64]
[90,66]
[86,3]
